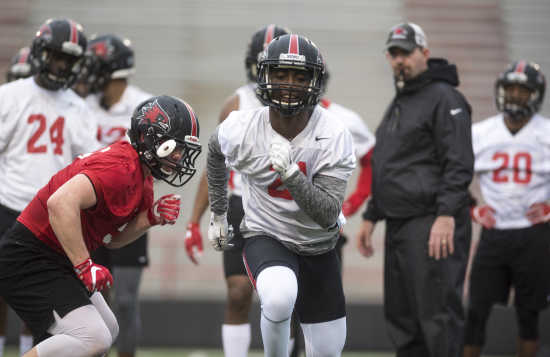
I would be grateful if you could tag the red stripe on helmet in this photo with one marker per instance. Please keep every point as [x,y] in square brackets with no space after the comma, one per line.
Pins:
[74,32]
[269,32]
[193,119]
[293,46]
[520,67]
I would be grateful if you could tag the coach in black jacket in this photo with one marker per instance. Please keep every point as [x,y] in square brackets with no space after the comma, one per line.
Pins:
[422,167]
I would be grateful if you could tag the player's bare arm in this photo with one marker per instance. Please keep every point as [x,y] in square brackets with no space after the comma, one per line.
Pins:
[64,207]
[133,230]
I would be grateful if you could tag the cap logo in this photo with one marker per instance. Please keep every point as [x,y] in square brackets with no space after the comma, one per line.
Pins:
[152,113]
[399,33]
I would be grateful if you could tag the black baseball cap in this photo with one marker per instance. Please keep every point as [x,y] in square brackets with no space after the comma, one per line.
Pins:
[407,36]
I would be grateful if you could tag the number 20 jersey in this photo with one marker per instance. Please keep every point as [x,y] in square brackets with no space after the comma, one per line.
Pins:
[323,147]
[514,169]
[42,131]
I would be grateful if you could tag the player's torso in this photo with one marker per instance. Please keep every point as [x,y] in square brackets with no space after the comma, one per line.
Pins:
[269,206]
[247,100]
[114,122]
[46,125]
[514,169]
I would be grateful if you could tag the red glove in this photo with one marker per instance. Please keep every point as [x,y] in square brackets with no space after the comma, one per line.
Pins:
[94,276]
[538,213]
[165,210]
[193,242]
[483,215]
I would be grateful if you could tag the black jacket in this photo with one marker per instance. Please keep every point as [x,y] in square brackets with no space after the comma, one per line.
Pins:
[423,160]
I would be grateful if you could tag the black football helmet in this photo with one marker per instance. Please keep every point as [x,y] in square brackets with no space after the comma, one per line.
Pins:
[58,36]
[165,133]
[20,66]
[527,74]
[292,52]
[258,42]
[112,57]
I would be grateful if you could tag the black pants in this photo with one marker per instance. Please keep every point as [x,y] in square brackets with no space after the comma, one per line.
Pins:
[423,297]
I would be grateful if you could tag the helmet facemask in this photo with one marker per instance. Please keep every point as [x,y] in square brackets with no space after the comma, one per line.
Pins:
[170,159]
[289,99]
[56,78]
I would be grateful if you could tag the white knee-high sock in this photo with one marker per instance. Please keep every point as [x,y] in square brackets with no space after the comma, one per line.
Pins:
[236,340]
[2,343]
[291,345]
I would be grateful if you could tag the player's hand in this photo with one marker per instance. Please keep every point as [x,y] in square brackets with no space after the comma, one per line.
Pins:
[94,276]
[484,215]
[219,232]
[279,154]
[538,213]
[165,210]
[441,243]
[364,238]
[193,242]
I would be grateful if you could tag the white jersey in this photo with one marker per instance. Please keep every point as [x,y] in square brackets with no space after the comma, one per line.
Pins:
[324,147]
[42,132]
[514,170]
[114,122]
[247,100]
[363,139]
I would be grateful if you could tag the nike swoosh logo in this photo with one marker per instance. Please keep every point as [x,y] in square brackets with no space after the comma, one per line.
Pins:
[94,270]
[317,138]
[456,111]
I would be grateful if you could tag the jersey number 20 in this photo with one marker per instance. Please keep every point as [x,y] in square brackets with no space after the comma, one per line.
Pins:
[520,174]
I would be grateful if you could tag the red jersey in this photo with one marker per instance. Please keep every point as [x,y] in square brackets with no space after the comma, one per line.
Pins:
[121,191]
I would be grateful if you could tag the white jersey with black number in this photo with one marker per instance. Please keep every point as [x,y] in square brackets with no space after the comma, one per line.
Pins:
[363,139]
[114,122]
[247,100]
[514,169]
[323,147]
[42,132]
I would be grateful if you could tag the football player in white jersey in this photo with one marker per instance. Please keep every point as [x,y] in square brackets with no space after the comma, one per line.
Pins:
[295,159]
[512,160]
[19,68]
[44,123]
[236,333]
[110,62]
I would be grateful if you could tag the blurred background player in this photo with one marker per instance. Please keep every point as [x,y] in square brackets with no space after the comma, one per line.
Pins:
[294,178]
[363,141]
[110,62]
[512,159]
[236,326]
[20,67]
[44,124]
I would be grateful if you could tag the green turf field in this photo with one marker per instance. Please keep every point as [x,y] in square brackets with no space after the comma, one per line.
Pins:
[173,352]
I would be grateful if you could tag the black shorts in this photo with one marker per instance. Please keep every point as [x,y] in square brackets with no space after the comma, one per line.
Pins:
[233,258]
[512,257]
[35,280]
[131,255]
[7,218]
[320,292]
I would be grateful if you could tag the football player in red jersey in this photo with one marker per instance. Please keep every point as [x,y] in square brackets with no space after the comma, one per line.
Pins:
[102,198]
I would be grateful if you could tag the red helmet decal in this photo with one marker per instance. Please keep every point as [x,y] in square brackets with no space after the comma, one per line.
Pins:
[101,49]
[193,119]
[269,34]
[154,114]
[74,32]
